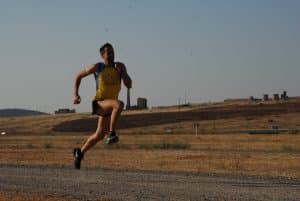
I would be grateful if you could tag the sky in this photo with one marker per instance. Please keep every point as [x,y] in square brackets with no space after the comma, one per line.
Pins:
[175,51]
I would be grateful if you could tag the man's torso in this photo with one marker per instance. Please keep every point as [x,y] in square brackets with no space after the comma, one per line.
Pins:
[108,82]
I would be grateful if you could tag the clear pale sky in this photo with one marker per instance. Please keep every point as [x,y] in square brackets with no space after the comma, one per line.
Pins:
[209,50]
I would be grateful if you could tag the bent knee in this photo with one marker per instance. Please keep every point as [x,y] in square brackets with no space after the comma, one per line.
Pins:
[119,105]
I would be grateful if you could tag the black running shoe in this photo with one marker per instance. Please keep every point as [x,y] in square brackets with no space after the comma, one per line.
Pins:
[78,156]
[112,138]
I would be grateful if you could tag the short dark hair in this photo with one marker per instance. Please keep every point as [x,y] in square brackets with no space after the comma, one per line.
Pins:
[101,50]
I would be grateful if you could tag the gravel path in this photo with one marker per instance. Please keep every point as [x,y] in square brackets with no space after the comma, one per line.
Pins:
[131,185]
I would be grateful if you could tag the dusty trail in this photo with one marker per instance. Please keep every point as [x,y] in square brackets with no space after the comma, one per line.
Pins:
[129,185]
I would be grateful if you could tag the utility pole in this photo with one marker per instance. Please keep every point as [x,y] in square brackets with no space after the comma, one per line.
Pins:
[128,99]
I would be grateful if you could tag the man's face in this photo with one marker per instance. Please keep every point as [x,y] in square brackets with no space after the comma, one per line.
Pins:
[108,54]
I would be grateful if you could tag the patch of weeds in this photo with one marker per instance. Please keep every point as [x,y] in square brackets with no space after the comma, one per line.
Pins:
[199,132]
[116,146]
[246,155]
[198,137]
[145,146]
[48,146]
[30,146]
[179,126]
[165,145]
[237,165]
[141,132]
[293,131]
[169,130]
[162,164]
[290,149]
[48,132]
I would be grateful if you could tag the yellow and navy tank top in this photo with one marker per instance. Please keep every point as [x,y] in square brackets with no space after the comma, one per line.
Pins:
[108,82]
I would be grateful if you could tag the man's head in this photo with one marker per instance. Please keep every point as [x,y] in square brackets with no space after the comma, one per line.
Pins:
[107,52]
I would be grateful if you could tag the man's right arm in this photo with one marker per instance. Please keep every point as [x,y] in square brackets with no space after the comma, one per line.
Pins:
[87,71]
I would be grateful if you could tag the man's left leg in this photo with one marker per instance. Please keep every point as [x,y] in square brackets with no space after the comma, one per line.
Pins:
[102,129]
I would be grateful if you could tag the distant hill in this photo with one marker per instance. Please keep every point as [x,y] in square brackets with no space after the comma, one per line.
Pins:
[18,113]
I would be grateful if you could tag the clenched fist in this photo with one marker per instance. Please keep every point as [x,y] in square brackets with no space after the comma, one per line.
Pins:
[76,99]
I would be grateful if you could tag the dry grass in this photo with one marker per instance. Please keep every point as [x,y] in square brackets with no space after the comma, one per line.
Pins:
[35,124]
[276,155]
[31,196]
[42,125]
[222,125]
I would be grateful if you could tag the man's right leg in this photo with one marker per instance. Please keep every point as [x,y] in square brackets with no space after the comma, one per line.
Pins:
[102,129]
[114,108]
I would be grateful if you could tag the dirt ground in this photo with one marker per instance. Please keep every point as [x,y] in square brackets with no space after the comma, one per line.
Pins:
[54,183]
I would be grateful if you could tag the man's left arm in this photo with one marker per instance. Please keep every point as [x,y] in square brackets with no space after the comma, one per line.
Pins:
[125,77]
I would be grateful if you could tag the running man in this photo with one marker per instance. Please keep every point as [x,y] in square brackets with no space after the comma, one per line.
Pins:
[108,76]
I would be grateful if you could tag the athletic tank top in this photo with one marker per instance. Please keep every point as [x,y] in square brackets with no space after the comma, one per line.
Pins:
[108,82]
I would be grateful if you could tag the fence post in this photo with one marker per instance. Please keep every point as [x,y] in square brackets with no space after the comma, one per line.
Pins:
[196,126]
